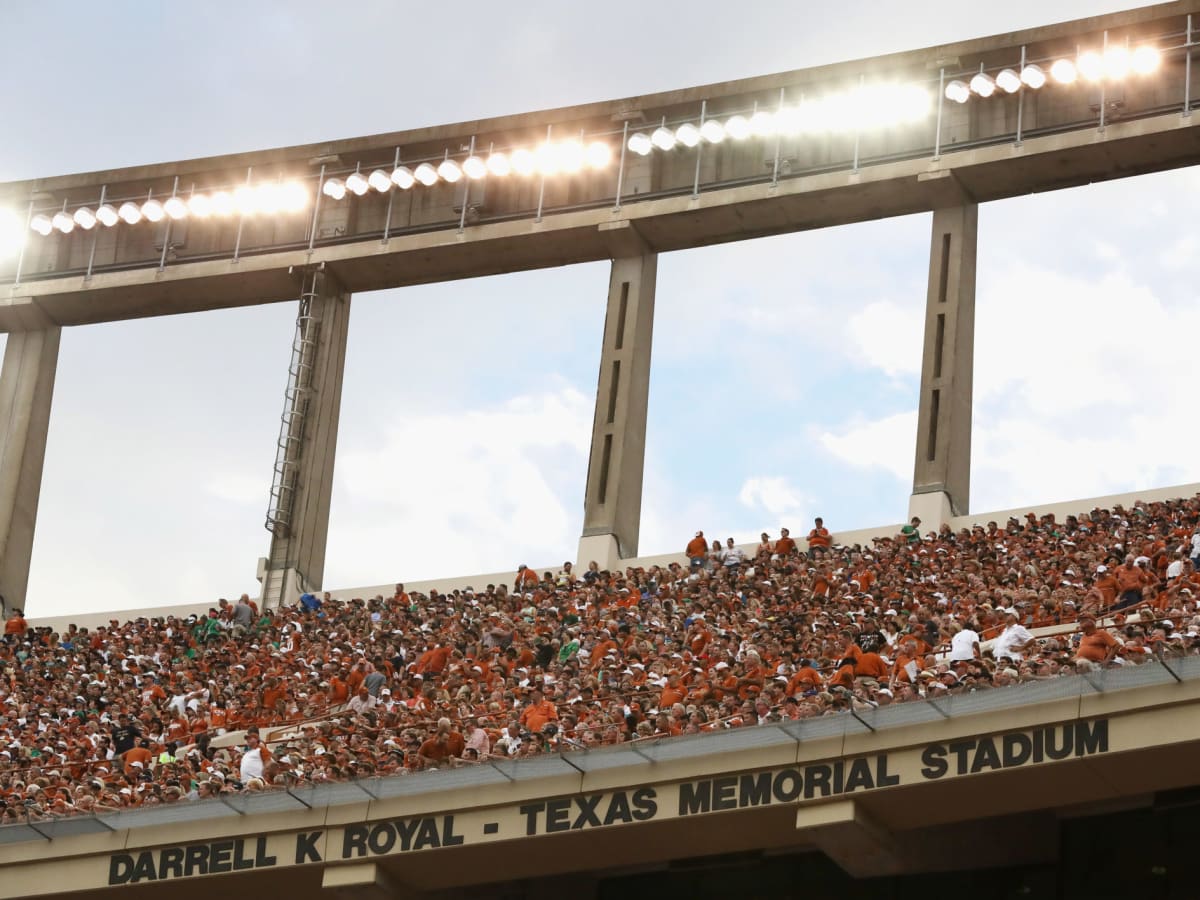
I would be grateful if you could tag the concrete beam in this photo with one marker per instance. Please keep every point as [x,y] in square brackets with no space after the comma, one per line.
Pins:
[26,392]
[612,506]
[943,457]
[362,881]
[296,561]
[845,833]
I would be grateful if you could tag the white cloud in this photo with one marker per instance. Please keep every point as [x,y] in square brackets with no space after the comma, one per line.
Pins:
[776,495]
[238,487]
[476,491]
[888,337]
[888,443]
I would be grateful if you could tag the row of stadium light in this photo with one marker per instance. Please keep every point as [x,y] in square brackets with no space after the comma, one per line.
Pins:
[247,200]
[551,158]
[1113,64]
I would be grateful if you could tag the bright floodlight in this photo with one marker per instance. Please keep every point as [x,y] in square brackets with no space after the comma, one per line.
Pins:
[175,208]
[1063,71]
[663,138]
[737,127]
[107,216]
[245,200]
[958,91]
[1033,76]
[85,218]
[267,199]
[524,162]
[63,222]
[475,167]
[200,205]
[153,210]
[641,144]
[1145,60]
[713,131]
[403,178]
[293,196]
[888,105]
[426,174]
[130,213]
[599,154]
[498,164]
[356,183]
[334,187]
[380,180]
[762,124]
[450,170]
[1091,66]
[983,85]
[687,134]
[571,156]
[223,203]
[1008,81]
[1116,63]
[43,224]
[547,159]
[12,233]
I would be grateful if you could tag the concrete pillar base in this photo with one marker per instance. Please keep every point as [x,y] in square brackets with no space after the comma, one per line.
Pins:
[599,547]
[933,509]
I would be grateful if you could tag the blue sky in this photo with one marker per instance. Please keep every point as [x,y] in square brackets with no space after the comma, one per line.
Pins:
[785,370]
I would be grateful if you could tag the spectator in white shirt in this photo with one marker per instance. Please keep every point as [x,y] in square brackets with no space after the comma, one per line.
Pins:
[1013,641]
[964,644]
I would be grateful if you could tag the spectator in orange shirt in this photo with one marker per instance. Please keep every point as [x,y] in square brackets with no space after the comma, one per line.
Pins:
[785,546]
[538,713]
[15,626]
[819,539]
[697,550]
[526,579]
[1096,647]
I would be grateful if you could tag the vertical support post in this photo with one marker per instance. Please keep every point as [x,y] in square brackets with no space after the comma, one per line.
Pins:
[296,561]
[26,392]
[237,244]
[95,234]
[542,185]
[857,128]
[312,227]
[1021,99]
[621,166]
[1103,85]
[1187,70]
[699,151]
[778,141]
[25,240]
[612,505]
[387,220]
[162,262]
[942,473]
[462,219]
[937,138]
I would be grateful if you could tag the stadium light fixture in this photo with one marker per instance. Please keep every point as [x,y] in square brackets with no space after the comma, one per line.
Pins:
[546,159]
[571,156]
[426,174]
[499,164]
[43,224]
[357,184]
[129,212]
[293,196]
[334,188]
[1091,65]
[763,124]
[523,161]
[106,214]
[449,170]
[983,84]
[12,233]
[224,205]
[1008,81]
[153,211]
[713,131]
[687,134]
[475,167]
[958,91]
[1033,76]
[663,138]
[1145,60]
[63,222]
[737,127]
[200,205]
[1064,71]
[402,177]
[1116,63]
[245,200]
[85,218]
[640,143]
[175,207]
[599,154]
[380,181]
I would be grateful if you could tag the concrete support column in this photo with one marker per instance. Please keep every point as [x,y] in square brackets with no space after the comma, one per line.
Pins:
[26,390]
[612,505]
[308,443]
[942,474]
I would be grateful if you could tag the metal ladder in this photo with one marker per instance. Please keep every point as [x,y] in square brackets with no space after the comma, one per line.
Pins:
[285,481]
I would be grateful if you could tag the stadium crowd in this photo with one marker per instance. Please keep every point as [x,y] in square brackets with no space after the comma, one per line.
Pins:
[174,709]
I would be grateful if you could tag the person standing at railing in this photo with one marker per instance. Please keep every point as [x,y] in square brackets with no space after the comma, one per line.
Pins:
[1097,648]
[1014,641]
